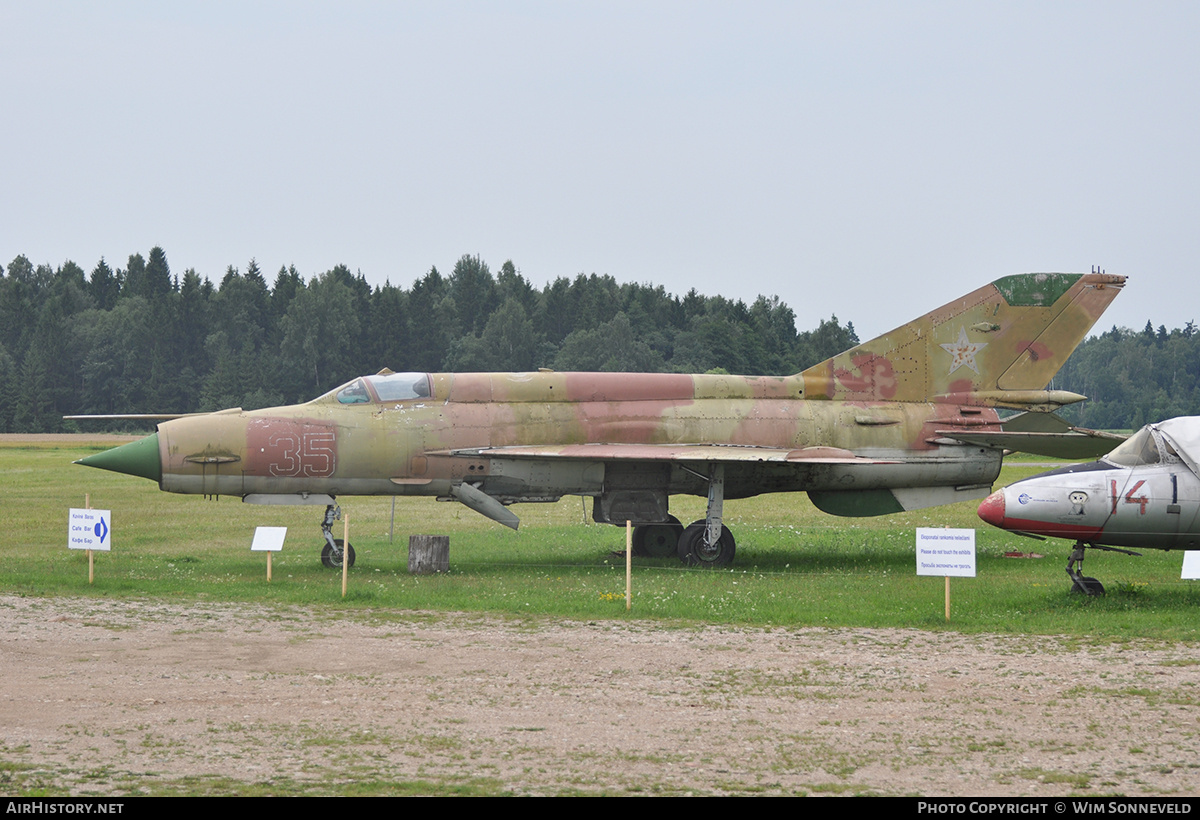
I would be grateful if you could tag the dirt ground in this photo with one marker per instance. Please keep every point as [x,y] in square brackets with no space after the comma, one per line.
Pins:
[114,697]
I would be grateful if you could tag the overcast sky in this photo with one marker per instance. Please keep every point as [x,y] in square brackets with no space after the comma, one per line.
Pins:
[869,160]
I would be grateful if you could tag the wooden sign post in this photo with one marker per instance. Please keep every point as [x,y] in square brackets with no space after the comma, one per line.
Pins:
[345,550]
[89,530]
[628,565]
[268,540]
[946,552]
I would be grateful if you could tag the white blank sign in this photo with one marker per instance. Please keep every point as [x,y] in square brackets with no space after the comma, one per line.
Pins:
[268,539]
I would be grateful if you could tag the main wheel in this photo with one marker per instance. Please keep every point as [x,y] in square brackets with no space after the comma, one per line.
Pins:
[694,552]
[332,558]
[657,540]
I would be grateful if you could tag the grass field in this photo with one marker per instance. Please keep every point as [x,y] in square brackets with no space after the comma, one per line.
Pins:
[795,566]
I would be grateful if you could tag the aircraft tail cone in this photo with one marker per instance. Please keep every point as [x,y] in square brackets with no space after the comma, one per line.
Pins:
[138,458]
[991,509]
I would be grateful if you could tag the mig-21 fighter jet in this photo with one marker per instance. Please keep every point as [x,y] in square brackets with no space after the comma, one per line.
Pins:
[900,422]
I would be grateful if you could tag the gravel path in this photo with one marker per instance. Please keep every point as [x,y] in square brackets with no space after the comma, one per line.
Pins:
[117,697]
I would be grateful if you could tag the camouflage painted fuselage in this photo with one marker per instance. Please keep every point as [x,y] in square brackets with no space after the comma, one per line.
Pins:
[544,435]
[870,431]
[905,420]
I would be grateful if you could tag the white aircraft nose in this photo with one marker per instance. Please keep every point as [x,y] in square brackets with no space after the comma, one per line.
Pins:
[991,509]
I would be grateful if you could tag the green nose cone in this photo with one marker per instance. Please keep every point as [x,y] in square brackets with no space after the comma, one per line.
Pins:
[138,458]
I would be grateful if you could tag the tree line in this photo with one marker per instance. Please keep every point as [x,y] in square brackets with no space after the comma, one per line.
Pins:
[139,339]
[1132,378]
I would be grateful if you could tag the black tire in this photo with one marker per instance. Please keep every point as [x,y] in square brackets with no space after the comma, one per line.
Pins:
[1088,585]
[693,552]
[657,540]
[332,559]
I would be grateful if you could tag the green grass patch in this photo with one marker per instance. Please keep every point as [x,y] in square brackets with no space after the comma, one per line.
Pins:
[795,565]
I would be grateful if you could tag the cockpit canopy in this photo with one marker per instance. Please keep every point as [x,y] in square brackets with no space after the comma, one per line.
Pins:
[384,388]
[1139,449]
[1167,442]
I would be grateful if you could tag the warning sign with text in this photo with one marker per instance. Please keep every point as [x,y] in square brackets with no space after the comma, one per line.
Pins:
[946,552]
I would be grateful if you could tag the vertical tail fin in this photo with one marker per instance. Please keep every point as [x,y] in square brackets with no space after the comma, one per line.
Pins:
[999,345]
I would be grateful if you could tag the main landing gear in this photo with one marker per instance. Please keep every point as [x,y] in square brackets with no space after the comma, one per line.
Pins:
[697,547]
[1085,584]
[703,543]
[657,540]
[331,553]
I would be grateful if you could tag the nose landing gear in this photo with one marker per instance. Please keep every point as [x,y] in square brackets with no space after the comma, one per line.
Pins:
[1085,584]
[331,552]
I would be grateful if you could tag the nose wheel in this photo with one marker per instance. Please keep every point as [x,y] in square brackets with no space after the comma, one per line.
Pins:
[332,556]
[1085,584]
[1080,583]
[331,552]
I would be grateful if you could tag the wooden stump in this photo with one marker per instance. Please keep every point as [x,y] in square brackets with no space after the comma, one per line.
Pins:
[428,553]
